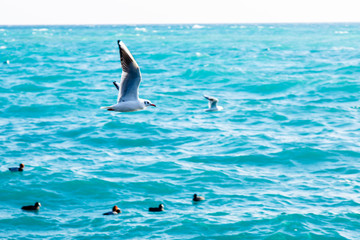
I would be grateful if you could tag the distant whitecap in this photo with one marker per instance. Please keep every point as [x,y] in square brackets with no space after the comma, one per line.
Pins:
[141,29]
[40,29]
[196,26]
[199,54]
[341,32]
[342,48]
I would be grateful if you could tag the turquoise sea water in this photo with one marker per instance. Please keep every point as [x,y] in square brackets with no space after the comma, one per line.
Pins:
[281,161]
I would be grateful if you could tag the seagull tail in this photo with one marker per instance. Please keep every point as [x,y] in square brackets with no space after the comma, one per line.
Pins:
[108,108]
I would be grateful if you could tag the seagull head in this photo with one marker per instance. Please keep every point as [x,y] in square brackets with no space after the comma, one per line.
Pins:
[147,103]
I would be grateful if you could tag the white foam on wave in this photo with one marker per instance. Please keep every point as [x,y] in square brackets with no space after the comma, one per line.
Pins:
[238,69]
[196,26]
[199,54]
[342,48]
[2,47]
[141,29]
[341,32]
[40,29]
[2,30]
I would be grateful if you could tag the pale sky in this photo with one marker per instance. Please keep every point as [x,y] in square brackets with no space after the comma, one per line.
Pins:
[48,12]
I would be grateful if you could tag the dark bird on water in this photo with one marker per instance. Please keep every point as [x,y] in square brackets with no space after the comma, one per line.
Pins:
[197,198]
[157,209]
[32,208]
[115,210]
[17,169]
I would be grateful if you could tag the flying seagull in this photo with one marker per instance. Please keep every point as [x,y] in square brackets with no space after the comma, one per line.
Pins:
[128,98]
[213,104]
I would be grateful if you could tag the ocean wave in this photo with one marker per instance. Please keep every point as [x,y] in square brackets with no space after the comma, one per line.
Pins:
[270,88]
[348,69]
[29,87]
[200,73]
[343,48]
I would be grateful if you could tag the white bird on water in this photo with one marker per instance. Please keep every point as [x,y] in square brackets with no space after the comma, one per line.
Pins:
[213,104]
[128,98]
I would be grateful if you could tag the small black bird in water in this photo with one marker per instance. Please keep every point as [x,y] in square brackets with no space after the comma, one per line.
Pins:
[115,210]
[17,169]
[157,209]
[32,208]
[196,198]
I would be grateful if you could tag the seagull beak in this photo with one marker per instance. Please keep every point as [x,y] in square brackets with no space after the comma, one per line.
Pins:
[153,105]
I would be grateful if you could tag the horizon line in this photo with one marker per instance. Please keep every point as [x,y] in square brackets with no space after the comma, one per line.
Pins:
[158,24]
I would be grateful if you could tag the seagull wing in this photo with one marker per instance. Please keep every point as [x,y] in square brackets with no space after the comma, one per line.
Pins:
[212,101]
[130,77]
